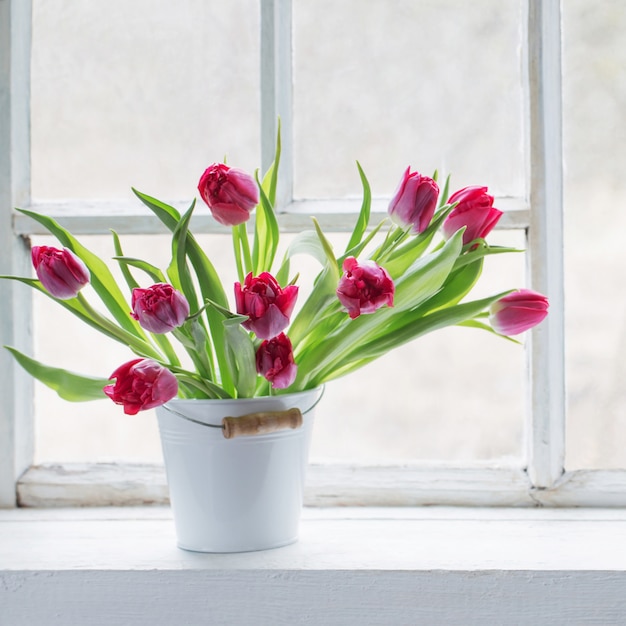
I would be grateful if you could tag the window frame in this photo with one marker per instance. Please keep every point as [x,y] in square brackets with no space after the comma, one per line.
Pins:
[539,480]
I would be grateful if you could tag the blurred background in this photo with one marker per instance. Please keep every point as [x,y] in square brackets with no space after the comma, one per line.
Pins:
[151,92]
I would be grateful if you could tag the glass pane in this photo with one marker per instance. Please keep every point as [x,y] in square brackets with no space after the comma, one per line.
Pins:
[595,222]
[142,94]
[433,84]
[454,395]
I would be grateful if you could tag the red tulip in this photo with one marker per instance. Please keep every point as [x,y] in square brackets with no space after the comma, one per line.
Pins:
[414,201]
[230,193]
[364,287]
[61,272]
[518,312]
[475,211]
[140,385]
[266,304]
[274,361]
[160,308]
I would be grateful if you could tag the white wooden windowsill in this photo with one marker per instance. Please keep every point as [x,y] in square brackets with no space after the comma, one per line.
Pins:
[391,566]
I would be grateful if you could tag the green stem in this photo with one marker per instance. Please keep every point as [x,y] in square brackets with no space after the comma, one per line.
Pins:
[245,246]
[194,349]
[237,251]
[167,348]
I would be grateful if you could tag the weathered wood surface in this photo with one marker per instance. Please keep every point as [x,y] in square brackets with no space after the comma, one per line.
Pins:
[351,566]
[111,484]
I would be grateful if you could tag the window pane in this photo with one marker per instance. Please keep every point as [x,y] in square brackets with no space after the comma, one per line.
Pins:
[433,84]
[595,221]
[144,93]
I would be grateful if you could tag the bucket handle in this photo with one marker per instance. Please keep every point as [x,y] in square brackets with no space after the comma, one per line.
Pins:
[261,423]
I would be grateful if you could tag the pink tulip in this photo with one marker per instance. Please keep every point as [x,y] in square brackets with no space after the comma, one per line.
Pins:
[140,385]
[414,201]
[61,272]
[266,304]
[475,211]
[518,312]
[160,308]
[274,361]
[364,287]
[230,193]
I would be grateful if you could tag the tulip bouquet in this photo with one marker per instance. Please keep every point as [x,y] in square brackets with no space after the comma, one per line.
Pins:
[395,281]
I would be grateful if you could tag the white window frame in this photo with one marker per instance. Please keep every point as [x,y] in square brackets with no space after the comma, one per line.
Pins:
[539,480]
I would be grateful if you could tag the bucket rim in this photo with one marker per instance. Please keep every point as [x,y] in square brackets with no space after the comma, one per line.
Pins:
[228,401]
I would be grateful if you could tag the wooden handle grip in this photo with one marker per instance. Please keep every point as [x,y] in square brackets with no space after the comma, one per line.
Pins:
[261,423]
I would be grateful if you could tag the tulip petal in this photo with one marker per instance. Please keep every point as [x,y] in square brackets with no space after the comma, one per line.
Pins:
[230,193]
[141,384]
[518,311]
[266,304]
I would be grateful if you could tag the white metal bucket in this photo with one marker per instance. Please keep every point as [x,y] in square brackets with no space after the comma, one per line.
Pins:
[241,494]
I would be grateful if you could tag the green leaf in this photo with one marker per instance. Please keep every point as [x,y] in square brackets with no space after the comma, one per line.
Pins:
[443,198]
[458,284]
[364,214]
[240,352]
[322,294]
[208,280]
[242,358]
[307,242]
[266,231]
[266,235]
[400,258]
[483,250]
[333,266]
[70,386]
[72,305]
[161,340]
[230,317]
[270,179]
[200,388]
[412,327]
[154,272]
[241,249]
[102,279]
[323,291]
[356,251]
[474,323]
[78,307]
[178,271]
[117,244]
[192,335]
[395,236]
[426,275]
[324,350]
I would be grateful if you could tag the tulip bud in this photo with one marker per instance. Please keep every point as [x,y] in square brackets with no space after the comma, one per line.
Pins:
[160,308]
[414,201]
[274,361]
[517,312]
[140,385]
[61,272]
[266,304]
[230,193]
[364,287]
[475,211]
